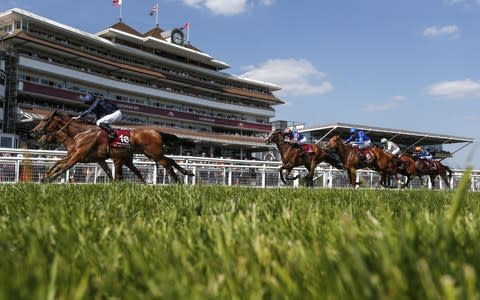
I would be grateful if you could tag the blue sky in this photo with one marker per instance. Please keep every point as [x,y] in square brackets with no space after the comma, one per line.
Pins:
[409,64]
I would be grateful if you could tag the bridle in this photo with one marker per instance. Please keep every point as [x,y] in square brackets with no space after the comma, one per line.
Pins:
[49,120]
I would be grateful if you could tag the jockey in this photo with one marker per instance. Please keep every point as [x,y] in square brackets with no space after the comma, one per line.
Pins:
[422,153]
[358,139]
[390,147]
[105,112]
[295,137]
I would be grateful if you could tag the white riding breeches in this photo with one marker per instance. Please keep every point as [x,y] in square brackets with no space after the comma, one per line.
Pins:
[111,118]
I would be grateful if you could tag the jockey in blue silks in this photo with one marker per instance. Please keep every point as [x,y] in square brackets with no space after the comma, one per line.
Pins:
[358,139]
[422,153]
[295,137]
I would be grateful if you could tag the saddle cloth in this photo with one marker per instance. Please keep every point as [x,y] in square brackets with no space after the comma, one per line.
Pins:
[365,154]
[122,138]
[307,148]
[428,165]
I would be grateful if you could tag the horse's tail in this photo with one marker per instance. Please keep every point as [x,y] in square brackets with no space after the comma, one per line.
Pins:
[172,139]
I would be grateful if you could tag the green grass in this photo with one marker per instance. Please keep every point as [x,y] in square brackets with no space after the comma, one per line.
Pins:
[130,241]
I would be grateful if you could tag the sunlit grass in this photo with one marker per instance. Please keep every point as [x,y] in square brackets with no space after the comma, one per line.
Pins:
[181,242]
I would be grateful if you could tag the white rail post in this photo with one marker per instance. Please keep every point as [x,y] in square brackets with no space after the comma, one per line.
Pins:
[185,178]
[264,177]
[296,182]
[229,179]
[17,170]
[112,167]
[155,174]
[194,178]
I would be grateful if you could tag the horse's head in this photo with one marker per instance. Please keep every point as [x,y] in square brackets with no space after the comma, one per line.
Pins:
[43,125]
[47,129]
[334,142]
[274,136]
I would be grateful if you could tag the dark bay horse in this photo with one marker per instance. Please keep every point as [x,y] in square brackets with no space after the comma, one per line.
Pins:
[415,166]
[89,143]
[380,160]
[291,157]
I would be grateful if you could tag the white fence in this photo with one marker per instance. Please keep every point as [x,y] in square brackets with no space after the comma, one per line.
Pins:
[30,165]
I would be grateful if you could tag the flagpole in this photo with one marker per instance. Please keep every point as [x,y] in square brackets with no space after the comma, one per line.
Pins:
[156,14]
[120,17]
[188,33]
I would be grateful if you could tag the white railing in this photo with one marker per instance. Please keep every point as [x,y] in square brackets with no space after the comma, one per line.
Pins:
[18,165]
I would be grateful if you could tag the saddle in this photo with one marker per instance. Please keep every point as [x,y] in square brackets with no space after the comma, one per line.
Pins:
[365,155]
[121,139]
[427,165]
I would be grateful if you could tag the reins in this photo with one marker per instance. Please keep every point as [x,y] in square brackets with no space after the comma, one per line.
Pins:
[64,126]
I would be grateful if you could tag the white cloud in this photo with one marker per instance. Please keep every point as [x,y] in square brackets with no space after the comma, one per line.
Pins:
[434,31]
[295,76]
[388,105]
[455,89]
[455,2]
[224,7]
[465,3]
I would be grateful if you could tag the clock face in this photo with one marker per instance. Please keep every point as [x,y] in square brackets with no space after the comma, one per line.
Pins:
[177,37]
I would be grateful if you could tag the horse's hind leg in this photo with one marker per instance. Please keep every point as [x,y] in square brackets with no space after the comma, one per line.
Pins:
[166,164]
[117,164]
[309,180]
[444,177]
[174,164]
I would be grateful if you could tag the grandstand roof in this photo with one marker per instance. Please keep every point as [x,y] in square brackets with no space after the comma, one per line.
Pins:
[407,138]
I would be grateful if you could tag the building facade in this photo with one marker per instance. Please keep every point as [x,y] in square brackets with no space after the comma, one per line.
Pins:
[156,78]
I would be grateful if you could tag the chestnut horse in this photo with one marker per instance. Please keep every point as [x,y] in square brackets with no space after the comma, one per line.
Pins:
[89,143]
[292,157]
[66,137]
[380,160]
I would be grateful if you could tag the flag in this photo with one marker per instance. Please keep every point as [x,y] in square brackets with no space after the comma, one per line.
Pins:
[154,9]
[117,2]
[185,26]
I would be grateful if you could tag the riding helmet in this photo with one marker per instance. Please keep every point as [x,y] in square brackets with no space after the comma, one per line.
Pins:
[87,98]
[353,130]
[384,141]
[418,148]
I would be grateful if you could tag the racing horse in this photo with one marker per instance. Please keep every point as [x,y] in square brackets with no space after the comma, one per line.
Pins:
[89,143]
[380,160]
[66,137]
[415,166]
[292,157]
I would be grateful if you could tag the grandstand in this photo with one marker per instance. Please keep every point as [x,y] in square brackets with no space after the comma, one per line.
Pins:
[155,79]
[405,139]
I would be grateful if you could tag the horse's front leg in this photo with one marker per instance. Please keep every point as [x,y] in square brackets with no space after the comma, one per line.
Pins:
[106,169]
[62,166]
[282,177]
[52,169]
[352,176]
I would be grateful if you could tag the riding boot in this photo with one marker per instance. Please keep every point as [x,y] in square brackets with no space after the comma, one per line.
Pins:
[300,150]
[110,130]
[361,155]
